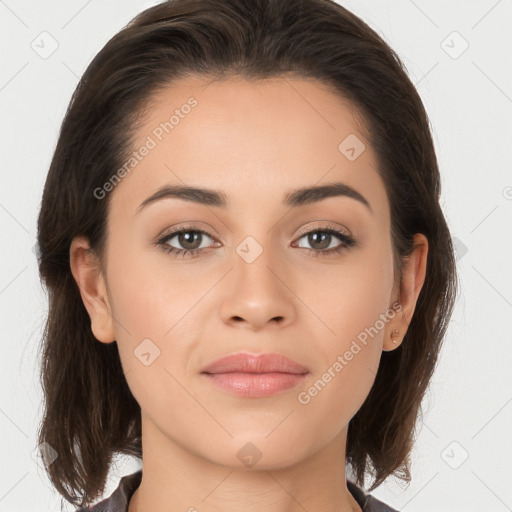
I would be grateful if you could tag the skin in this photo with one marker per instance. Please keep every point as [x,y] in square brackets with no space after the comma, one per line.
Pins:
[255,141]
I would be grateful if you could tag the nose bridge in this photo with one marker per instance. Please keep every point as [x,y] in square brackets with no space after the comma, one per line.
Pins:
[256,294]
[253,262]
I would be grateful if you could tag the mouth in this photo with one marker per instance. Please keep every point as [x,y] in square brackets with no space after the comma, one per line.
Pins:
[254,375]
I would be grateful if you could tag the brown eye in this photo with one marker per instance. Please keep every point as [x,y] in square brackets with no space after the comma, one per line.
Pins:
[323,241]
[186,241]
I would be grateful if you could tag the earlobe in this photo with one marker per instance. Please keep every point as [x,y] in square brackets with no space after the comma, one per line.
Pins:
[413,278]
[89,278]
[394,340]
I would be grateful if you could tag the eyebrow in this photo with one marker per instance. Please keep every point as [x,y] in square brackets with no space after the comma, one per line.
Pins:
[295,198]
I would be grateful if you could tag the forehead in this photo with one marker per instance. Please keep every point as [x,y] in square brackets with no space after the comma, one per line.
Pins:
[255,140]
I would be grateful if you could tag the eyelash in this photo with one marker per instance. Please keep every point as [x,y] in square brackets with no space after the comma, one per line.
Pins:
[347,241]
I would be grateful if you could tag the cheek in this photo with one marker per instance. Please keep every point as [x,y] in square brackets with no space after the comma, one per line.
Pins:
[350,296]
[156,338]
[155,308]
[350,362]
[353,302]
[151,294]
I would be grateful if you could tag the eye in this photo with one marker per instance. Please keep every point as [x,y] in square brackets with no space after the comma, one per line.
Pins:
[323,241]
[190,240]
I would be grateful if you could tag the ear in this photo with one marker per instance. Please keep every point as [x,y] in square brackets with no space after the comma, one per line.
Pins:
[86,269]
[413,277]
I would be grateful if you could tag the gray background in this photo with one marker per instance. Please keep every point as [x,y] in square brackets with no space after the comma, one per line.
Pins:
[461,458]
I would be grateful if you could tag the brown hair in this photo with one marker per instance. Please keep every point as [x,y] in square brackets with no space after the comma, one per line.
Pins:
[90,413]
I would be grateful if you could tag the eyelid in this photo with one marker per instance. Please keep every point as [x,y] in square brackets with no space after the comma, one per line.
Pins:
[328,225]
[190,226]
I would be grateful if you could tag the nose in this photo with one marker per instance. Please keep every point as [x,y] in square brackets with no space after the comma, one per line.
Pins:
[258,294]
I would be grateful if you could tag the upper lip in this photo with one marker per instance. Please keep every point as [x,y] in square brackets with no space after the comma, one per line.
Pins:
[255,363]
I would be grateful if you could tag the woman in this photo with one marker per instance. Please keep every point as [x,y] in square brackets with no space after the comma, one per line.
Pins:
[249,273]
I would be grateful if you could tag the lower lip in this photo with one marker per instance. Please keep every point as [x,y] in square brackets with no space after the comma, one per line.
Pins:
[254,385]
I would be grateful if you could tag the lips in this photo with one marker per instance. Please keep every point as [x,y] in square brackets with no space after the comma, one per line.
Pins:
[244,362]
[248,375]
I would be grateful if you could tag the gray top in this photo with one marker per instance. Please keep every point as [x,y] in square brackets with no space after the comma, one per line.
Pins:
[120,498]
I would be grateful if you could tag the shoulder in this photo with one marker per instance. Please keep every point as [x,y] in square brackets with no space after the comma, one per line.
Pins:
[367,502]
[118,501]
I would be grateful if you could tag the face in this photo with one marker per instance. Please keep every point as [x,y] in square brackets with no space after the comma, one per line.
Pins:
[252,268]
